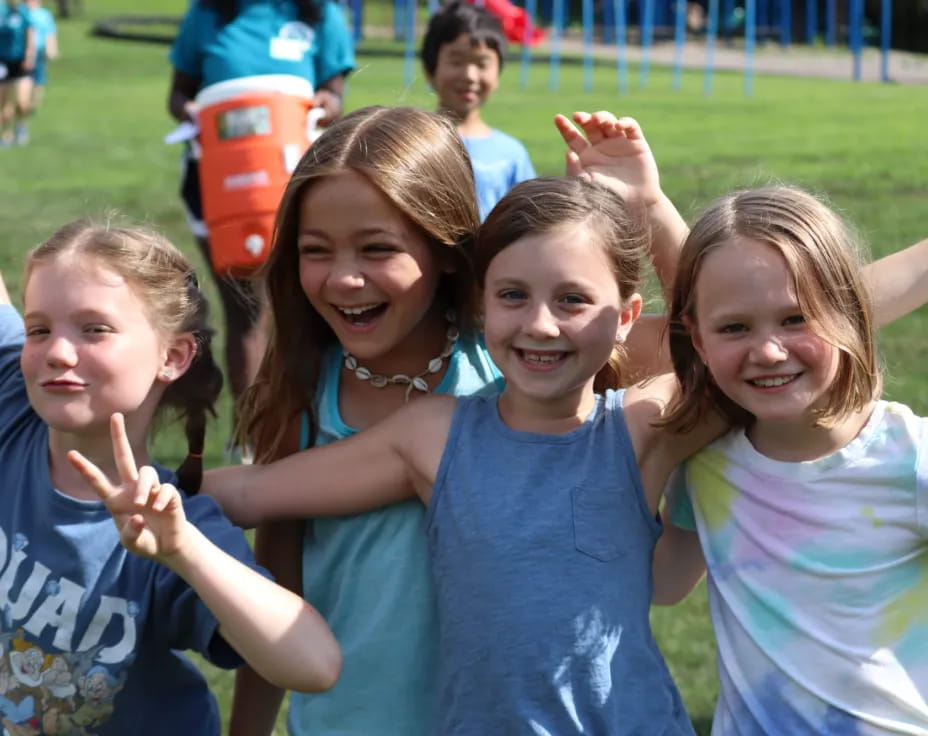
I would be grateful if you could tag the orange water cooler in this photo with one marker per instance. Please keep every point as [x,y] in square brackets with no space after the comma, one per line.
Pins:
[253,132]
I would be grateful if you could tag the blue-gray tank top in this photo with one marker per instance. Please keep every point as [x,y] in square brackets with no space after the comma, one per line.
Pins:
[541,550]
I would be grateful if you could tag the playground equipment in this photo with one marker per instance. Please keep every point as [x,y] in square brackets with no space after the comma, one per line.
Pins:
[619,22]
[253,132]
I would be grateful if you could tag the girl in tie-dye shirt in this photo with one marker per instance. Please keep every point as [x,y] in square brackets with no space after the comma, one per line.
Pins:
[813,512]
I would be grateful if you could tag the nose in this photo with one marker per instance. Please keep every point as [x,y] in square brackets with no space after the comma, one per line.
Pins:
[541,323]
[472,72]
[769,349]
[346,274]
[61,352]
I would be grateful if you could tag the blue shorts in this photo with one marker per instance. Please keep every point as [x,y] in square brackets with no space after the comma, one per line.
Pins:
[40,73]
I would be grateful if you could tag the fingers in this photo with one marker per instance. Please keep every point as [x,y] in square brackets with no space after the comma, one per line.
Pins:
[122,450]
[92,474]
[572,137]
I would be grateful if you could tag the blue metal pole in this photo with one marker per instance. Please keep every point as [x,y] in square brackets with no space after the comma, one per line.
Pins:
[712,30]
[558,12]
[750,35]
[357,19]
[399,19]
[856,35]
[886,29]
[409,65]
[646,21]
[786,20]
[587,10]
[621,33]
[811,20]
[679,37]
[530,9]
[609,23]
[831,22]
[728,14]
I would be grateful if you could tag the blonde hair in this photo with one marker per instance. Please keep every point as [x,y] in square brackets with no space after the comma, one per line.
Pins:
[550,203]
[822,256]
[162,278]
[418,161]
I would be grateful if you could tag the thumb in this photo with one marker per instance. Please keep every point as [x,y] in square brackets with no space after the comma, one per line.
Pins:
[92,475]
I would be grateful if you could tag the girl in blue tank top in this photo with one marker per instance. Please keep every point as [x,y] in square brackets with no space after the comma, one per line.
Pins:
[541,500]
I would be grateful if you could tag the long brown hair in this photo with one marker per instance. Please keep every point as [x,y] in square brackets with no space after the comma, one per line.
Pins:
[163,279]
[549,203]
[417,159]
[823,258]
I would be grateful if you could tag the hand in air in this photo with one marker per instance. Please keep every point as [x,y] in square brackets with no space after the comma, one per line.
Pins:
[612,151]
[331,103]
[148,514]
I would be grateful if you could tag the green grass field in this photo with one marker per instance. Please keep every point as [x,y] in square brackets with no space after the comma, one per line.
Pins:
[97,148]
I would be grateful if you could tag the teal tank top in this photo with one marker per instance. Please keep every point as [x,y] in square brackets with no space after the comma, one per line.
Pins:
[369,576]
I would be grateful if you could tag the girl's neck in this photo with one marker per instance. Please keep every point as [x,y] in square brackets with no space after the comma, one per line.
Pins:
[98,448]
[792,442]
[557,415]
[362,404]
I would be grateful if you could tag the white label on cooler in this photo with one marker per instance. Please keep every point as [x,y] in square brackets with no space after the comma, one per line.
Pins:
[246,180]
[292,155]
[254,244]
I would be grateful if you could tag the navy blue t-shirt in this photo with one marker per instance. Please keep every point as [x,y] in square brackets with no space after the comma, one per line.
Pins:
[89,633]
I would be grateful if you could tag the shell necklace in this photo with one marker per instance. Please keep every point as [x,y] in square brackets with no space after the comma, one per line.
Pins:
[416,382]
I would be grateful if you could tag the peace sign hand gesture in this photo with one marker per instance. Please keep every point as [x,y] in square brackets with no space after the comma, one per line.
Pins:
[612,151]
[148,514]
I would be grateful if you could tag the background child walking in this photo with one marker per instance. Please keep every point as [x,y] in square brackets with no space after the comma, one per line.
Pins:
[90,634]
[462,54]
[811,512]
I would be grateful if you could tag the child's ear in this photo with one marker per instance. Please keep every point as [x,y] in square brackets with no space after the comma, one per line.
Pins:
[629,313]
[690,324]
[178,356]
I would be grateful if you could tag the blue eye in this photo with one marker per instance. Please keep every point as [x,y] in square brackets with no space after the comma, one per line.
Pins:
[511,294]
[575,299]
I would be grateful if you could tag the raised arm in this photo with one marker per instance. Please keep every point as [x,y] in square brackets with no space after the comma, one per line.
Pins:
[898,283]
[614,152]
[274,630]
[395,459]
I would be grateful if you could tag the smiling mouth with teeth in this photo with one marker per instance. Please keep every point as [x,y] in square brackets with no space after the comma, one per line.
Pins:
[362,314]
[773,382]
[540,358]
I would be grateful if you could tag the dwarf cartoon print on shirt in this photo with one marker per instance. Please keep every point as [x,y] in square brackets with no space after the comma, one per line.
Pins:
[55,679]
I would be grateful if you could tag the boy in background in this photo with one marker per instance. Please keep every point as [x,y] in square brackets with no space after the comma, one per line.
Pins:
[462,54]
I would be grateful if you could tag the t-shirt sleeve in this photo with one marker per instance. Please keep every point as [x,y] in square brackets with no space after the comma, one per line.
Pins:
[12,337]
[336,46]
[187,52]
[921,481]
[190,624]
[524,169]
[679,506]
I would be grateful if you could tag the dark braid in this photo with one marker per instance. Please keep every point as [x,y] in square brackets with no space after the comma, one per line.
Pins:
[194,394]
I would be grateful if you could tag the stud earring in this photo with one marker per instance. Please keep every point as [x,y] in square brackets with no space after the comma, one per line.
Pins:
[166,374]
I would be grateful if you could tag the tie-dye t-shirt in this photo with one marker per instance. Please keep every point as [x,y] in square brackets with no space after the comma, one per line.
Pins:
[818,581]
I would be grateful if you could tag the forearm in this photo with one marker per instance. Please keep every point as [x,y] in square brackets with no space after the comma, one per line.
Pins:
[668,231]
[275,631]
[255,704]
[677,567]
[278,547]
[898,283]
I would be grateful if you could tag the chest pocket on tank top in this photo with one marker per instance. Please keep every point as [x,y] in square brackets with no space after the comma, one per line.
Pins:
[599,516]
